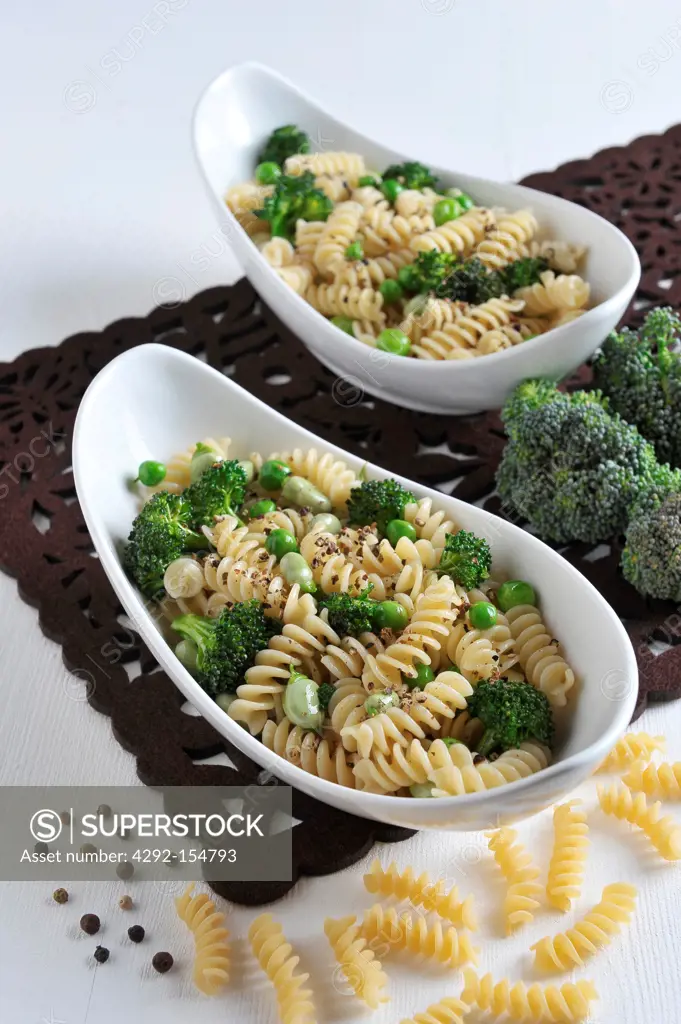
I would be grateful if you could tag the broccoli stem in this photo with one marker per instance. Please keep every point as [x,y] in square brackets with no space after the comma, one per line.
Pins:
[489,742]
[195,628]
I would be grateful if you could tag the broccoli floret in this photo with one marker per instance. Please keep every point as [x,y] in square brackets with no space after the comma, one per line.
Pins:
[377,501]
[350,616]
[227,645]
[411,174]
[283,143]
[219,491]
[431,269]
[466,558]
[512,712]
[324,695]
[471,282]
[651,559]
[571,468]
[522,273]
[640,372]
[160,534]
[294,198]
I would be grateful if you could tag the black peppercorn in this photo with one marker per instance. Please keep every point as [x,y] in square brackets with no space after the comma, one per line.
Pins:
[60,896]
[136,933]
[65,817]
[104,811]
[88,848]
[41,848]
[101,954]
[90,924]
[162,962]
[125,870]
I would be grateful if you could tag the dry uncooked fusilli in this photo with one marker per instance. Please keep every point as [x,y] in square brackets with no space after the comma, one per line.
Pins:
[407,932]
[211,945]
[357,961]
[522,895]
[660,781]
[571,948]
[570,1002]
[277,959]
[570,845]
[634,746]
[663,832]
[421,891]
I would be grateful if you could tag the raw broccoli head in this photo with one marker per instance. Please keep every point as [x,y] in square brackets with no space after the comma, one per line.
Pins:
[522,273]
[294,198]
[350,616]
[571,468]
[377,501]
[512,713]
[227,645]
[324,695]
[161,533]
[219,491]
[283,143]
[466,558]
[651,559]
[411,174]
[640,372]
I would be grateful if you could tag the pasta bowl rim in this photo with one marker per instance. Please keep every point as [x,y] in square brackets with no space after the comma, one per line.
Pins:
[128,366]
[422,372]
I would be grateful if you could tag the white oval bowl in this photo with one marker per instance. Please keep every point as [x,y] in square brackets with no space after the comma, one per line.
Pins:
[232,119]
[154,401]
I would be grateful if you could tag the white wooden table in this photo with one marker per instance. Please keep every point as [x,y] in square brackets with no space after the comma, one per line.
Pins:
[102,204]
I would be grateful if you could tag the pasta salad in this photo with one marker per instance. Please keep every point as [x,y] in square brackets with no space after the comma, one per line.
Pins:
[352,627]
[401,263]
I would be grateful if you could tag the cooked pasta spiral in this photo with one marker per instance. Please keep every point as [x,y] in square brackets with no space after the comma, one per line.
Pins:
[261,693]
[405,932]
[411,201]
[278,252]
[505,337]
[458,236]
[447,1011]
[438,700]
[465,331]
[516,865]
[316,756]
[297,276]
[243,201]
[473,652]
[572,947]
[663,833]
[178,467]
[369,196]
[634,746]
[183,578]
[308,234]
[539,654]
[234,581]
[332,570]
[211,946]
[570,1002]
[420,891]
[362,970]
[277,959]
[564,257]
[508,240]
[384,229]
[334,186]
[454,771]
[331,475]
[383,773]
[662,782]
[349,166]
[371,273]
[340,230]
[570,845]
[551,293]
[380,732]
[342,300]
[296,521]
[432,526]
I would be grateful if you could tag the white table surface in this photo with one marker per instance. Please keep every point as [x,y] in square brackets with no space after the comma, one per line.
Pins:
[101,204]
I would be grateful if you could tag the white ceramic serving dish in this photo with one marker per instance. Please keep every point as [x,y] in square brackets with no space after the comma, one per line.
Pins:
[232,119]
[153,401]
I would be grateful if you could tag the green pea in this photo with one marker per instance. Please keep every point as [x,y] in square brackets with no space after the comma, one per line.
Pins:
[465,202]
[391,189]
[325,522]
[368,179]
[392,339]
[272,474]
[225,700]
[380,701]
[445,210]
[301,492]
[398,528]
[267,173]
[391,290]
[262,507]
[408,277]
[530,337]
[343,323]
[515,592]
[280,543]
[483,615]
[424,675]
[151,473]
[202,459]
[449,741]
[354,251]
[186,651]
[391,615]
[301,702]
[248,468]
[421,790]
[295,569]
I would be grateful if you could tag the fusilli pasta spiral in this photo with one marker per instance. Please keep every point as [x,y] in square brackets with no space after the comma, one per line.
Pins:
[406,932]
[211,946]
[349,166]
[539,654]
[314,755]
[570,1002]
[340,230]
[421,891]
[383,773]
[660,781]
[460,236]
[342,300]
[454,770]
[448,1011]
[572,947]
[570,845]
[634,746]
[508,240]
[277,959]
[521,875]
[325,471]
[362,970]
[551,293]
[663,833]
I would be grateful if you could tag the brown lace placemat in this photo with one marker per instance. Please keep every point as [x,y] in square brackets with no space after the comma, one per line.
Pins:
[44,543]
